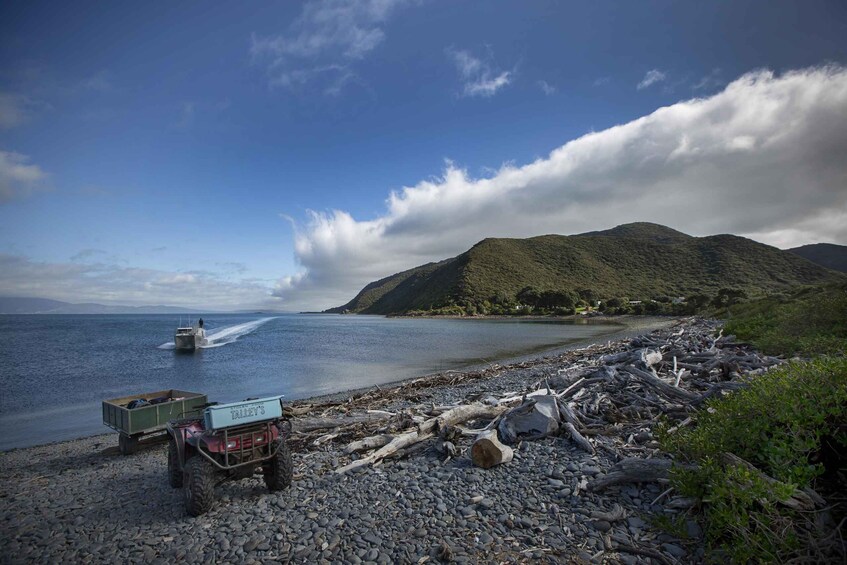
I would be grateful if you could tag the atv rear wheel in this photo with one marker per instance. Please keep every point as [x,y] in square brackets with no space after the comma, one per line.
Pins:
[174,471]
[198,485]
[279,471]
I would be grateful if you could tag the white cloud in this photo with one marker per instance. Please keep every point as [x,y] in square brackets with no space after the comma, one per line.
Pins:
[18,178]
[546,87]
[323,42]
[652,77]
[764,157]
[479,78]
[80,281]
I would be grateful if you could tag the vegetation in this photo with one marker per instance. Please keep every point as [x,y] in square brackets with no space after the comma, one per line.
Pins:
[641,268]
[790,424]
[805,321]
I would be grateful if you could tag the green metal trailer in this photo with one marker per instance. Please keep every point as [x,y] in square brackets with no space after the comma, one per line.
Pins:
[151,418]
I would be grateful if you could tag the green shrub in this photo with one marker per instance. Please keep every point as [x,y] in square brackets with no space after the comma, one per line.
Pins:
[778,424]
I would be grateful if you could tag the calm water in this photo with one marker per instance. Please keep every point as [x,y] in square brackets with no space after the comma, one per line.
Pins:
[55,370]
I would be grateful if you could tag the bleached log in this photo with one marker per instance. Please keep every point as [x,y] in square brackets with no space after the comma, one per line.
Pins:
[661,386]
[487,451]
[798,500]
[368,443]
[633,470]
[313,424]
[579,438]
[426,430]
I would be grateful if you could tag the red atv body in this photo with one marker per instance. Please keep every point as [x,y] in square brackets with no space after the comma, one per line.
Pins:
[200,457]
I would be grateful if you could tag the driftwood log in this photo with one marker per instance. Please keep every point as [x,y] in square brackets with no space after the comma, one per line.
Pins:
[425,431]
[487,451]
[633,470]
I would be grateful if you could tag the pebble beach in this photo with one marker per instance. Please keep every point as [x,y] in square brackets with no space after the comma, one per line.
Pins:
[80,501]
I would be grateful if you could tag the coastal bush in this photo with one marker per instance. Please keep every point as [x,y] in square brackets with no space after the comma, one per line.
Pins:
[808,321]
[791,424]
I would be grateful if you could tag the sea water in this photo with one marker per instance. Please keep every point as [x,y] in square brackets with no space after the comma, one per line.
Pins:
[56,369]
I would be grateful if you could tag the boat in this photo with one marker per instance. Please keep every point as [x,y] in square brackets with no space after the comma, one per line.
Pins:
[190,337]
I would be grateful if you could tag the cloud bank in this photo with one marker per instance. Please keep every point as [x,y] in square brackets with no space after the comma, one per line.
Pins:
[80,281]
[764,157]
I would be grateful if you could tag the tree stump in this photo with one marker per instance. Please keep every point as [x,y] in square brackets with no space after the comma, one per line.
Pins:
[487,451]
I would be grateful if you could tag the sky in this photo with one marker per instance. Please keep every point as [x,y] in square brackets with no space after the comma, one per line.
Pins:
[282,155]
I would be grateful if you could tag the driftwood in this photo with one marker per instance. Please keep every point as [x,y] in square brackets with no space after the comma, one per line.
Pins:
[313,424]
[661,386]
[425,431]
[799,500]
[610,397]
[487,451]
[368,443]
[633,470]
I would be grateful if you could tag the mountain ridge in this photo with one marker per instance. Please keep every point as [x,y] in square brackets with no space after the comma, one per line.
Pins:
[829,255]
[32,305]
[640,261]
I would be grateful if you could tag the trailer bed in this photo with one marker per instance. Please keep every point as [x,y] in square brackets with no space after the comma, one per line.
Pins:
[132,423]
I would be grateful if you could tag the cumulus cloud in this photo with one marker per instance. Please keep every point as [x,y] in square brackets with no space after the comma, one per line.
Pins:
[18,178]
[104,283]
[323,42]
[479,78]
[764,157]
[651,78]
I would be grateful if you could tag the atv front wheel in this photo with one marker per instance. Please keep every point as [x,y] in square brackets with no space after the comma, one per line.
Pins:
[279,471]
[198,485]
[174,472]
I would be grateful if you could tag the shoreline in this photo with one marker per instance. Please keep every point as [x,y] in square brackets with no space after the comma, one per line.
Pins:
[630,326]
[95,505]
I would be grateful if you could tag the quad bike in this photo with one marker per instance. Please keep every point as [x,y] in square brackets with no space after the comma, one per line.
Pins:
[228,442]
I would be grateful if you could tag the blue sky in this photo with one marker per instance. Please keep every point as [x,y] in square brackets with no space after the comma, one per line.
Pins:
[173,151]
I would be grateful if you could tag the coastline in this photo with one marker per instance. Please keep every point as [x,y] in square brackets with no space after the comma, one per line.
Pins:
[631,326]
[96,505]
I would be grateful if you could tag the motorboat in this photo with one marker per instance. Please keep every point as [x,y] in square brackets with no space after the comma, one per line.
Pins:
[190,337]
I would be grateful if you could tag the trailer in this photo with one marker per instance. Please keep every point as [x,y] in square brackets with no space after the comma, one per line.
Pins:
[146,414]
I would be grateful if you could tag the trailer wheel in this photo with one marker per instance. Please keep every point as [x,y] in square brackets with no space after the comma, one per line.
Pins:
[127,444]
[279,471]
[174,471]
[198,485]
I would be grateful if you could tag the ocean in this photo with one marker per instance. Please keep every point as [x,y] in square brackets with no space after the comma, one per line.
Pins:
[56,370]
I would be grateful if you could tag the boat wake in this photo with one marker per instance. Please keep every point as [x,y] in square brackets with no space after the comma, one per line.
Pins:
[226,335]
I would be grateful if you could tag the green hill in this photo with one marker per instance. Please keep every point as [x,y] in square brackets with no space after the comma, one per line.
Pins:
[829,255]
[640,261]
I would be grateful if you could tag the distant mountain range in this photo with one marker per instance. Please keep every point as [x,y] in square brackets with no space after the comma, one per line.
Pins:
[640,261]
[19,305]
[829,255]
